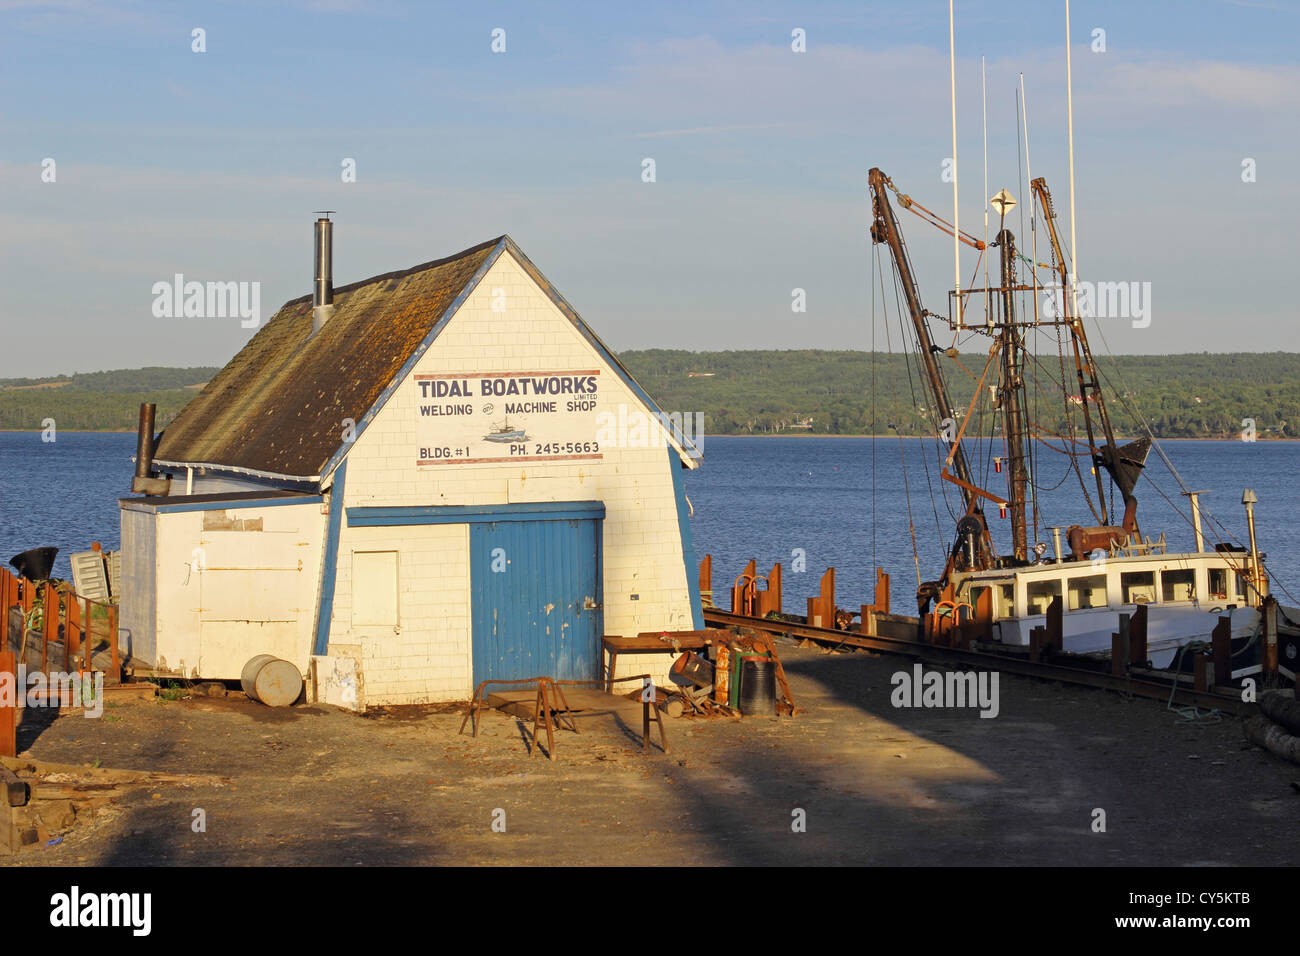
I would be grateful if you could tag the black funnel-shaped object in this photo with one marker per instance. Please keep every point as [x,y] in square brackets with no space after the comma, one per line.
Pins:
[36,564]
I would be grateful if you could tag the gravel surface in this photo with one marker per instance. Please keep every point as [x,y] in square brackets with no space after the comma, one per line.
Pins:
[876,784]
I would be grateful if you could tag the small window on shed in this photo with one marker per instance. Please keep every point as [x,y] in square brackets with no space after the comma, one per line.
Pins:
[374,588]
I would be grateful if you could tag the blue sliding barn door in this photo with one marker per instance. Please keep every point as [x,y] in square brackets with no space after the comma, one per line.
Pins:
[536,596]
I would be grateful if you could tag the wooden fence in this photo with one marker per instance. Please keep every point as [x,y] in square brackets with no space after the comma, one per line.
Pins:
[66,635]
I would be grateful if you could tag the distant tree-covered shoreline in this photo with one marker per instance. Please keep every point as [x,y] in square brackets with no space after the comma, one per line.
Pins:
[1202,395]
[809,391]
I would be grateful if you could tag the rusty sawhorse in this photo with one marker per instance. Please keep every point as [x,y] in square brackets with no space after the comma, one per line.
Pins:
[551,709]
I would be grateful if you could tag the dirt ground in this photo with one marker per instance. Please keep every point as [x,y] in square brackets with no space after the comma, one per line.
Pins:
[878,785]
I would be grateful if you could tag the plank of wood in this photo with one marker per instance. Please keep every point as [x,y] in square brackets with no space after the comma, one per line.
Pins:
[81,775]
[79,792]
[17,792]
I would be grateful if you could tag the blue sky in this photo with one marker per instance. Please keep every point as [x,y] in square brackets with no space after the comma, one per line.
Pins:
[211,164]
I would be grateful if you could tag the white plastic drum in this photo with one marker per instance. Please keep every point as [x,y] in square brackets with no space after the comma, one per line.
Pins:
[271,681]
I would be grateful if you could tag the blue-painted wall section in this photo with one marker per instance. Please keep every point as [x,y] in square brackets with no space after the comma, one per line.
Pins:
[330,563]
[472,514]
[688,545]
[531,584]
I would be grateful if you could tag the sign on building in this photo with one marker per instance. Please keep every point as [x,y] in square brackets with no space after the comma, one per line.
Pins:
[490,417]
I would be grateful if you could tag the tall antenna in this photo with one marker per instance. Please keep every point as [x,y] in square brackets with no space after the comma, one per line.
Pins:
[956,225]
[1029,175]
[984,97]
[1069,110]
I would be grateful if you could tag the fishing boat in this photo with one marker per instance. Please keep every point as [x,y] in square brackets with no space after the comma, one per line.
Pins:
[1094,569]
[504,434]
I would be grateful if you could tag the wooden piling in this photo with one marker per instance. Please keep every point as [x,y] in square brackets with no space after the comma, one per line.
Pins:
[881,601]
[821,609]
[1037,640]
[1119,652]
[1221,645]
[1203,672]
[1055,624]
[1137,640]
[1270,638]
[769,601]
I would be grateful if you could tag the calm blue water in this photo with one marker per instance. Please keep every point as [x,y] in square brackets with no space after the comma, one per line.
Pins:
[63,493]
[762,498]
[753,497]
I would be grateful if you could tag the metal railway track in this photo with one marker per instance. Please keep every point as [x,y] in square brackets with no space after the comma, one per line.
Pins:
[1135,684]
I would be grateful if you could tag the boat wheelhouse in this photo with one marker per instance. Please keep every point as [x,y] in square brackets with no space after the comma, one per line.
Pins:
[1184,594]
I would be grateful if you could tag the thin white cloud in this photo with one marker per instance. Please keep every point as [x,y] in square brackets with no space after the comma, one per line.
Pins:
[698,130]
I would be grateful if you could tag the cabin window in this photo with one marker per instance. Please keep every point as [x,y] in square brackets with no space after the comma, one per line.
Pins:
[1179,585]
[1138,587]
[1218,580]
[1086,592]
[374,588]
[976,595]
[1041,594]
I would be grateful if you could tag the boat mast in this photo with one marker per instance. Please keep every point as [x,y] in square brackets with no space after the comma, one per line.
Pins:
[885,229]
[1124,464]
[1012,395]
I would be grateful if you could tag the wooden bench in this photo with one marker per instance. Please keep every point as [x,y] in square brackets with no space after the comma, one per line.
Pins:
[654,642]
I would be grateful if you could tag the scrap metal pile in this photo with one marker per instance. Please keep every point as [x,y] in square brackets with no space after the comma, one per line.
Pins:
[744,676]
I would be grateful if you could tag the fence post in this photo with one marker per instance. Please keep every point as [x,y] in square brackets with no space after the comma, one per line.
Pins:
[9,709]
[112,642]
[6,599]
[87,636]
[706,581]
[70,628]
[49,623]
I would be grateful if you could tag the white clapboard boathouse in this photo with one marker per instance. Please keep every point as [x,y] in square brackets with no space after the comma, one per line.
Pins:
[409,485]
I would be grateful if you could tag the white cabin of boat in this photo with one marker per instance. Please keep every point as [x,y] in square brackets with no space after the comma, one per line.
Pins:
[1185,595]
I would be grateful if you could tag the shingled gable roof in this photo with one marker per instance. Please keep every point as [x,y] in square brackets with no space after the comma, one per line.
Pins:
[277,409]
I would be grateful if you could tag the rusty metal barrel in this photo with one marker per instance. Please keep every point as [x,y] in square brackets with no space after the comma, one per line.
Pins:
[271,681]
[757,697]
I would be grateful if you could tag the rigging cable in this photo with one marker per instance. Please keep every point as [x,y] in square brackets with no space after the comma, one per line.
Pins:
[913,375]
[1131,407]
[902,453]
[871,284]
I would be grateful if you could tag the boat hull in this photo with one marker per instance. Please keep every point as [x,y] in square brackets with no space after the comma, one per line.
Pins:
[1169,627]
